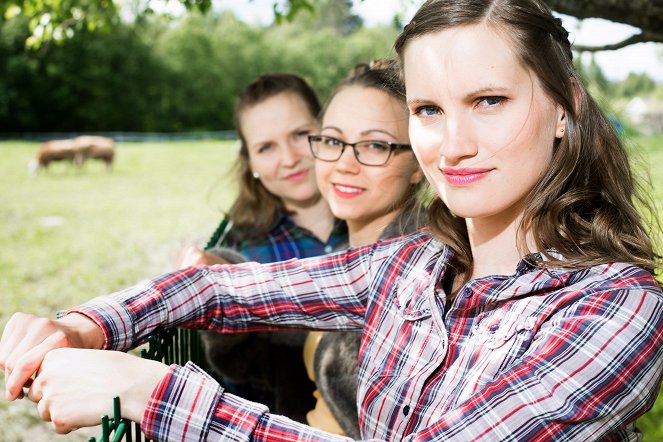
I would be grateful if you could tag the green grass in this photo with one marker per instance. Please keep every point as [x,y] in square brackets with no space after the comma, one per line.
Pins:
[69,235]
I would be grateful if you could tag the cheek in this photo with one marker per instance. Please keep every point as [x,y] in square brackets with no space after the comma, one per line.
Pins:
[262,166]
[323,171]
[426,141]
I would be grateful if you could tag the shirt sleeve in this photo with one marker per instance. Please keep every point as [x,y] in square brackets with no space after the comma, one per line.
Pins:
[593,369]
[189,405]
[326,293]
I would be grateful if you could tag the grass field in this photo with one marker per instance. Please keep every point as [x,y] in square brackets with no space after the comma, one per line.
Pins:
[68,235]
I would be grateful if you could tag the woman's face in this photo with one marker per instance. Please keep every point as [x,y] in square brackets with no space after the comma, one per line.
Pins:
[480,123]
[276,132]
[355,192]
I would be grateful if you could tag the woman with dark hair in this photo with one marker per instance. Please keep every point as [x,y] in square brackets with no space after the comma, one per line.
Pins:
[529,311]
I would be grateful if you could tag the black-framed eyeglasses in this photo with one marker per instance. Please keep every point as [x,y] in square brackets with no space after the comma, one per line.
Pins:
[367,152]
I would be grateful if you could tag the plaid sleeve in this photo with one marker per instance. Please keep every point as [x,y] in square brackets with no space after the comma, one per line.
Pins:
[189,405]
[328,292]
[182,405]
[594,368]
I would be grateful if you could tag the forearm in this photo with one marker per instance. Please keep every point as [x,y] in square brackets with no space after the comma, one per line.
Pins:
[232,299]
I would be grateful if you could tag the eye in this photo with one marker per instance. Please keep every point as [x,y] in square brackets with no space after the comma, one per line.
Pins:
[265,148]
[377,146]
[427,111]
[332,142]
[302,133]
[490,102]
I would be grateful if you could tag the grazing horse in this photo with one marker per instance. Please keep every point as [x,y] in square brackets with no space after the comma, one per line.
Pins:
[96,148]
[56,150]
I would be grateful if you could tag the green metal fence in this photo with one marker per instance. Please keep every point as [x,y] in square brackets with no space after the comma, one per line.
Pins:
[177,346]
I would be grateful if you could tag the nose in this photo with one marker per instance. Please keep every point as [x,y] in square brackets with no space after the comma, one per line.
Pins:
[458,142]
[347,162]
[290,155]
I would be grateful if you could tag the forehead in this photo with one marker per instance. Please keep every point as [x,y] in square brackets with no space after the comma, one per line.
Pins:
[274,117]
[359,106]
[283,103]
[461,58]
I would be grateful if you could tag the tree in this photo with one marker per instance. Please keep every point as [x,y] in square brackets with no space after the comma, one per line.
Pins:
[58,19]
[644,14]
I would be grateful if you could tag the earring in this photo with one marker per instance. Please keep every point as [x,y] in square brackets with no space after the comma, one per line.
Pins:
[256,175]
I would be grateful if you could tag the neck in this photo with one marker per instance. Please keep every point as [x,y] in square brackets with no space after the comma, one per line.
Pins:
[363,232]
[315,217]
[493,244]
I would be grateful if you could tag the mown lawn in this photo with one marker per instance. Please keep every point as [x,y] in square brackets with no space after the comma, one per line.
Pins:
[68,235]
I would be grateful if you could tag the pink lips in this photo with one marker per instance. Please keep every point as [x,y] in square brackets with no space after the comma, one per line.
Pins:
[459,177]
[297,176]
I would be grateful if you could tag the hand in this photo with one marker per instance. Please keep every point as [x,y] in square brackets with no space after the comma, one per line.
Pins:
[75,387]
[193,256]
[27,338]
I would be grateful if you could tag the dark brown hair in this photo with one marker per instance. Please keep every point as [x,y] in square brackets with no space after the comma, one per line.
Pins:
[381,74]
[256,209]
[584,205]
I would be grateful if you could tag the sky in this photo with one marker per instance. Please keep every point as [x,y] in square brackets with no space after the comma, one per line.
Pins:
[616,65]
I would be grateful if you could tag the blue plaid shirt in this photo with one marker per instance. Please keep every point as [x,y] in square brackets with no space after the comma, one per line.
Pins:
[285,240]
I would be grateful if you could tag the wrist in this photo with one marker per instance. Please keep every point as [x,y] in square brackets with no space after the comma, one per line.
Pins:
[147,375]
[82,331]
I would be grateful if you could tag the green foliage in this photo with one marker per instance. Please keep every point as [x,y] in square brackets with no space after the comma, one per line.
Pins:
[163,75]
[635,85]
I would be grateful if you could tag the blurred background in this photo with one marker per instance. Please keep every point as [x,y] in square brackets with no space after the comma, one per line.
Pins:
[160,77]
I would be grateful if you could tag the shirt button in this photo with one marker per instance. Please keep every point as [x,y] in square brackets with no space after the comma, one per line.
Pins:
[328,249]
[406,410]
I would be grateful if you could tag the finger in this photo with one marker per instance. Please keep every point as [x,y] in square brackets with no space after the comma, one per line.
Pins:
[62,428]
[29,363]
[43,410]
[10,339]
[35,392]
[28,331]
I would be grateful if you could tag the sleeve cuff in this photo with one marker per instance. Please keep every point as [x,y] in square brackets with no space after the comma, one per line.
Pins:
[182,405]
[113,319]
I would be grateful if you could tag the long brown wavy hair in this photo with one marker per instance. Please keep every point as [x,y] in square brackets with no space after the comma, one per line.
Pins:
[256,209]
[585,206]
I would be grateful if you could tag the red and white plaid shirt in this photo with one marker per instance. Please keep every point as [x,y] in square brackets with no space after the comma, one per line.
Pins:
[539,355]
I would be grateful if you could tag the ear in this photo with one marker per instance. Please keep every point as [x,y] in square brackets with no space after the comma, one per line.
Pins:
[577,104]
[417,175]
[560,127]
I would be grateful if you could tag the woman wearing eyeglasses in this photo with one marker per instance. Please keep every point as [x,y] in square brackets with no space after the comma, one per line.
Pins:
[367,172]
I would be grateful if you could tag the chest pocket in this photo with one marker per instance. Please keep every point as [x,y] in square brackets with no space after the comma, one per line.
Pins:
[500,341]
[404,336]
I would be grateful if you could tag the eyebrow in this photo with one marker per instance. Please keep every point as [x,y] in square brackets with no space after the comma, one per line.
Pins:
[490,89]
[332,128]
[362,133]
